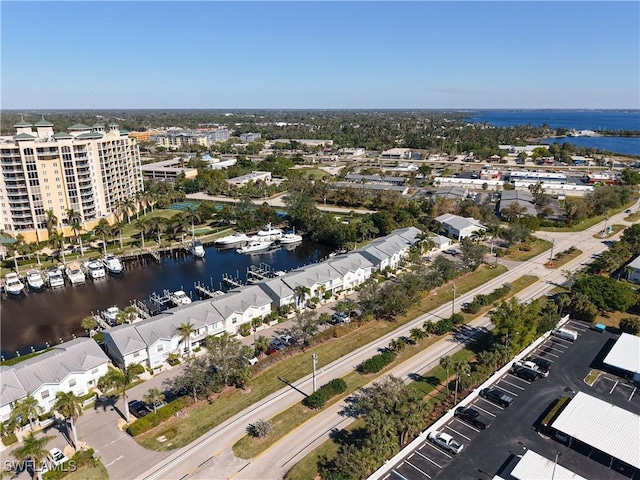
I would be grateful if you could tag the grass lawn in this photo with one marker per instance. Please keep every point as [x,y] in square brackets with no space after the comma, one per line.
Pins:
[316,172]
[591,378]
[558,262]
[204,416]
[612,319]
[535,248]
[286,421]
[615,229]
[589,222]
[96,471]
[634,217]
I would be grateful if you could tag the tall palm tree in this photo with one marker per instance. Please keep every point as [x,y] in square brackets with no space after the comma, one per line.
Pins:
[33,449]
[70,407]
[27,409]
[116,231]
[119,380]
[57,243]
[193,216]
[301,293]
[141,225]
[51,221]
[75,220]
[103,229]
[157,226]
[153,397]
[186,330]
[446,362]
[261,344]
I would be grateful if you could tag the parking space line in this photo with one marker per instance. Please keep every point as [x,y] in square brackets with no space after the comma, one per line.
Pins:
[454,430]
[578,326]
[427,458]
[485,411]
[467,425]
[490,403]
[505,390]
[613,388]
[424,473]
[397,473]
[553,345]
[559,341]
[633,393]
[549,353]
[513,384]
[542,358]
[437,450]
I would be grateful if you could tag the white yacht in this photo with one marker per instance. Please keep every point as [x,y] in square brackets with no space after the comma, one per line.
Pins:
[35,280]
[268,233]
[254,246]
[197,249]
[110,315]
[290,237]
[233,239]
[112,263]
[95,269]
[54,275]
[75,273]
[179,298]
[12,284]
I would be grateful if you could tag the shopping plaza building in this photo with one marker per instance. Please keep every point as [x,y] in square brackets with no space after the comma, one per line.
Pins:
[87,169]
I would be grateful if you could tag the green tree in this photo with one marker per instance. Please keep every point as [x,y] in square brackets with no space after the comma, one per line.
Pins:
[262,344]
[153,397]
[141,226]
[70,407]
[301,293]
[119,380]
[27,408]
[305,326]
[33,449]
[229,357]
[186,330]
[75,221]
[630,325]
[446,363]
[103,230]
[51,222]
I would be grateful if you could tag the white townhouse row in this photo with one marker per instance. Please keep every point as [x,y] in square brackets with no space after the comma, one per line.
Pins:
[73,366]
[150,341]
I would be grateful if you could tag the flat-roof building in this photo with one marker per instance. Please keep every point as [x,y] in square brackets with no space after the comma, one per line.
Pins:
[250,177]
[625,355]
[168,170]
[534,466]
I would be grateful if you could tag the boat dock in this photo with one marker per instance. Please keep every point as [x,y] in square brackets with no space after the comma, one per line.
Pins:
[230,281]
[205,291]
[257,273]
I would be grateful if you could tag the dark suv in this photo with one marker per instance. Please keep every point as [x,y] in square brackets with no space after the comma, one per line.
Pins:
[526,374]
[472,417]
[138,408]
[497,396]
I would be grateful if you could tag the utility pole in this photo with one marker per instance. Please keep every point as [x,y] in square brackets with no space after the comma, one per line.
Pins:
[453,303]
[314,359]
[551,254]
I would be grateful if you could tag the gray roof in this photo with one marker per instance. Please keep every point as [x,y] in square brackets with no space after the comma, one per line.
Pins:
[385,247]
[52,367]
[521,195]
[62,135]
[126,338]
[24,136]
[635,263]
[349,262]
[457,222]
[88,135]
[79,126]
[240,299]
[452,192]
[44,123]
[409,233]
[310,275]
[524,198]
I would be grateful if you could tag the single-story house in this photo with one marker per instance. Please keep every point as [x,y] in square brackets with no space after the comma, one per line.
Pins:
[523,198]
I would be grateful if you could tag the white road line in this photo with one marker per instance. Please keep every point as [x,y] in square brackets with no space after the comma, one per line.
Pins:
[453,430]
[423,473]
[633,393]
[513,384]
[560,341]
[578,326]
[490,403]
[475,405]
[613,388]
[505,390]
[437,450]
[114,461]
[427,458]
[467,425]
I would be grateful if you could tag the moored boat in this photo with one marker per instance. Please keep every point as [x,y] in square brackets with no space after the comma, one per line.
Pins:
[95,269]
[268,233]
[35,280]
[12,284]
[112,264]
[55,278]
[74,273]
[232,239]
[196,249]
[290,237]
[254,246]
[110,315]
[179,298]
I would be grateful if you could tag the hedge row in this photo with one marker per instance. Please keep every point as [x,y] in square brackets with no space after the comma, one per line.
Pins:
[146,423]
[377,362]
[481,300]
[325,392]
[80,459]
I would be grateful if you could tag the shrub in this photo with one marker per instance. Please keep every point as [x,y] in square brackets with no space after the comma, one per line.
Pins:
[80,459]
[443,326]
[9,439]
[325,393]
[259,429]
[244,329]
[473,307]
[152,420]
[482,300]
[630,325]
[457,318]
[377,362]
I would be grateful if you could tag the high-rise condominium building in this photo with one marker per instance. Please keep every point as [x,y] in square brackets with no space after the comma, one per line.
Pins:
[88,170]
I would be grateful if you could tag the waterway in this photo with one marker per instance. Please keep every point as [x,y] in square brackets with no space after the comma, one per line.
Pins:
[36,318]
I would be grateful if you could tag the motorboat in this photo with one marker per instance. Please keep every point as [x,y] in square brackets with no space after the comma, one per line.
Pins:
[35,280]
[74,273]
[12,284]
[268,233]
[112,264]
[290,237]
[233,239]
[95,269]
[254,246]
[110,315]
[54,275]
[179,298]
[196,249]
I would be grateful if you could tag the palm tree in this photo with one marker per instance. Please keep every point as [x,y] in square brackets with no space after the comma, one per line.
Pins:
[563,300]
[34,449]
[119,380]
[141,226]
[153,397]
[52,221]
[262,344]
[27,409]
[116,231]
[57,243]
[89,323]
[301,293]
[186,330]
[416,334]
[128,205]
[445,362]
[102,229]
[75,220]
[192,216]
[70,407]
[157,225]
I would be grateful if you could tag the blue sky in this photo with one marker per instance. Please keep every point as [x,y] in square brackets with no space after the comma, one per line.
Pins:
[320,55]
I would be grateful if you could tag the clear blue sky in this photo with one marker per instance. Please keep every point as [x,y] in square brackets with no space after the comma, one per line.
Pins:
[320,55]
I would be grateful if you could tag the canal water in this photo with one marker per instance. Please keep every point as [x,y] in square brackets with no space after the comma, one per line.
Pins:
[34,319]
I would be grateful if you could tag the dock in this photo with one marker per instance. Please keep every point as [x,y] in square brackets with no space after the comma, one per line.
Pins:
[256,273]
[205,291]
[230,281]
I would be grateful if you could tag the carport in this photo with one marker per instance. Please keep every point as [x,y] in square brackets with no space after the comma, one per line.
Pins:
[533,465]
[625,355]
[603,426]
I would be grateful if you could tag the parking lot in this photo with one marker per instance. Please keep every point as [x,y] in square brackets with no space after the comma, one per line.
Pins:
[515,428]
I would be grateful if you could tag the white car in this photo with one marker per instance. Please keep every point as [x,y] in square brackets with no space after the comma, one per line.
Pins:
[57,457]
[445,441]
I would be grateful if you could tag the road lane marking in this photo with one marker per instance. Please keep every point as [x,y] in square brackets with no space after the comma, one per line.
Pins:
[454,430]
[427,458]
[548,353]
[114,461]
[632,393]
[542,358]
[423,473]
[397,473]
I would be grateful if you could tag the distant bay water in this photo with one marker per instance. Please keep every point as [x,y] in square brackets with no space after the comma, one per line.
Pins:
[615,120]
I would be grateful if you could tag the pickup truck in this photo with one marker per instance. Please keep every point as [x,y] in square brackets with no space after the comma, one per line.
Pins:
[496,396]
[530,366]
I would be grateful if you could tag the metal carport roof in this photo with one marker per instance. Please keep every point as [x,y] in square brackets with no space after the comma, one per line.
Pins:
[625,354]
[533,466]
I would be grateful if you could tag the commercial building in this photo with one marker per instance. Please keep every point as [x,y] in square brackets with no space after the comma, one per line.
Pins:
[168,170]
[250,177]
[397,153]
[460,227]
[453,193]
[624,356]
[523,198]
[73,366]
[250,137]
[535,177]
[177,139]
[88,170]
[373,179]
[534,466]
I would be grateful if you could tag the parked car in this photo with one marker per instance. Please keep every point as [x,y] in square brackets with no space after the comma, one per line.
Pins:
[472,417]
[543,364]
[286,339]
[530,366]
[339,317]
[496,396]
[57,457]
[525,374]
[451,251]
[565,334]
[138,409]
[445,441]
